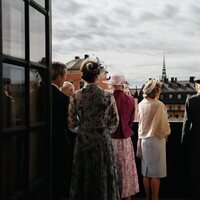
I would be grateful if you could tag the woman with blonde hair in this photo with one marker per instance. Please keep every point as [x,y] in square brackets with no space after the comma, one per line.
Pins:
[152,133]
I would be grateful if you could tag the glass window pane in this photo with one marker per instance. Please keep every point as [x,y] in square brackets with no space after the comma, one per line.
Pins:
[179,96]
[40,2]
[13,28]
[38,162]
[12,164]
[37,35]
[37,95]
[13,96]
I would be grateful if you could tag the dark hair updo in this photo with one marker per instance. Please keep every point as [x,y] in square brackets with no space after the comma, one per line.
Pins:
[90,70]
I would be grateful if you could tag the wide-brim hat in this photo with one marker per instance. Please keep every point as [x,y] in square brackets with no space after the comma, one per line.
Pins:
[197,81]
[116,80]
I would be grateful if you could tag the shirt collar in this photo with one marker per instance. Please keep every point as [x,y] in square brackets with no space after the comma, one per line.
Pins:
[55,86]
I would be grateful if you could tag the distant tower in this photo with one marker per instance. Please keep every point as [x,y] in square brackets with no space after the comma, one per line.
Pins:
[164,75]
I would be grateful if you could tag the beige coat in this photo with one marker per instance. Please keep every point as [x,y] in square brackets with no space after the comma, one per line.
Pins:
[153,119]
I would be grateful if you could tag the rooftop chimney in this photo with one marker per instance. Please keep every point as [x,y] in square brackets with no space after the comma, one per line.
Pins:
[165,80]
[192,79]
[86,56]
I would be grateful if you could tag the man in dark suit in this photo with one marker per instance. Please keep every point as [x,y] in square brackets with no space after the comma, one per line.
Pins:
[191,140]
[60,142]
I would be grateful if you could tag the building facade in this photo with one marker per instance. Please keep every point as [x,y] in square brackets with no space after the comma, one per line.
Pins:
[74,73]
[25,114]
[173,94]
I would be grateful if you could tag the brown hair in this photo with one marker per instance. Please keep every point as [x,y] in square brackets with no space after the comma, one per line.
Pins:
[90,70]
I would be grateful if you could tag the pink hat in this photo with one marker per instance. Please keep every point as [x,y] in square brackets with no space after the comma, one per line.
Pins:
[116,80]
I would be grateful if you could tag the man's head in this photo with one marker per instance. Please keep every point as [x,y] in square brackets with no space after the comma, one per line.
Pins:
[58,73]
[67,88]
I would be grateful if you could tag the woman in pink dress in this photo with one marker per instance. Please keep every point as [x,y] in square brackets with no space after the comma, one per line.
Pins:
[121,139]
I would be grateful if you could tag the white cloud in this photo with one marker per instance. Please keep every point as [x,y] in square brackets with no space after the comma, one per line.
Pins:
[130,36]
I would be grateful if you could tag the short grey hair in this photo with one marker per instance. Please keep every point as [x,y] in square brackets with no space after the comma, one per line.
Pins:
[67,84]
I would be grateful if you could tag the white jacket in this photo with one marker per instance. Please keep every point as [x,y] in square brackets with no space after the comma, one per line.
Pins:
[153,119]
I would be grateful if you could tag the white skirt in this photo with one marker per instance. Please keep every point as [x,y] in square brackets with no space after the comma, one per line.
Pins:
[153,157]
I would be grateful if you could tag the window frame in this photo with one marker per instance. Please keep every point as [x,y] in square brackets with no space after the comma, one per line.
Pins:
[27,65]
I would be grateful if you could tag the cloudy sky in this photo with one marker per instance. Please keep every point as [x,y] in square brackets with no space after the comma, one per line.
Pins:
[130,36]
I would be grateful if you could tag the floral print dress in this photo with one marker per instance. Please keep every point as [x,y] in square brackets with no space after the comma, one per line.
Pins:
[93,115]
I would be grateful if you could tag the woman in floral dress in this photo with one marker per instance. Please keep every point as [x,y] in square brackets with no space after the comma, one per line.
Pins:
[93,116]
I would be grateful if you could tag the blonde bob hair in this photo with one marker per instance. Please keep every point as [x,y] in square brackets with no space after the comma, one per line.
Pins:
[152,88]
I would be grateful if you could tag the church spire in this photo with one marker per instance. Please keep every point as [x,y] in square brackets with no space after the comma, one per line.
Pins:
[164,75]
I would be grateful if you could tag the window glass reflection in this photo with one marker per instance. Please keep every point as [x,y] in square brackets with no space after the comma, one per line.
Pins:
[38,162]
[13,28]
[13,96]
[37,35]
[37,95]
[12,164]
[40,2]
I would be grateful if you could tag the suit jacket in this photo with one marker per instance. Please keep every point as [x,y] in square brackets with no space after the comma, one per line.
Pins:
[191,123]
[59,118]
[61,152]
[126,108]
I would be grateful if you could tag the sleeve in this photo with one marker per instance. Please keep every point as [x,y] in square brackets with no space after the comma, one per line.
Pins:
[164,125]
[73,121]
[113,118]
[139,121]
[161,122]
[186,122]
[133,113]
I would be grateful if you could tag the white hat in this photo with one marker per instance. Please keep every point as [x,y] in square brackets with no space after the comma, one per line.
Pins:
[150,89]
[116,80]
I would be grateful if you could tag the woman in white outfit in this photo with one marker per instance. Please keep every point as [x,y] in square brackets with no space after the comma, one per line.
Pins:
[152,133]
